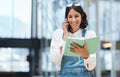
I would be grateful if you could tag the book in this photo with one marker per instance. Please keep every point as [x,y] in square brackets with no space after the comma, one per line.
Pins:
[92,45]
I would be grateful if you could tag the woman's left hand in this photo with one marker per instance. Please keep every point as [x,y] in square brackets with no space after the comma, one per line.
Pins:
[75,48]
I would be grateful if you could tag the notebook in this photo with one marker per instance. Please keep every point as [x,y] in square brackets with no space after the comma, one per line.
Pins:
[92,45]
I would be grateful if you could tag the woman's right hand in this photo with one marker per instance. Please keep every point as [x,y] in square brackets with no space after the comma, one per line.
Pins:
[65,30]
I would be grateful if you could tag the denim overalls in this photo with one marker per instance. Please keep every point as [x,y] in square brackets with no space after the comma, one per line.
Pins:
[74,66]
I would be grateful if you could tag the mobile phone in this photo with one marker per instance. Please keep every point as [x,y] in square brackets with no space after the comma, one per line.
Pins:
[68,27]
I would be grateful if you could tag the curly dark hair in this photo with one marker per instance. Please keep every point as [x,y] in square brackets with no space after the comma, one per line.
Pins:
[84,21]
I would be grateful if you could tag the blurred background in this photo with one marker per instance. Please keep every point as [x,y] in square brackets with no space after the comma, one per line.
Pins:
[26,28]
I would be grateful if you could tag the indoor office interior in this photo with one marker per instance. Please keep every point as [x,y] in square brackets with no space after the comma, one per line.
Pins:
[26,30]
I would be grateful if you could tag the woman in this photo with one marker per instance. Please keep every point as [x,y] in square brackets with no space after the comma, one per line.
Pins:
[74,25]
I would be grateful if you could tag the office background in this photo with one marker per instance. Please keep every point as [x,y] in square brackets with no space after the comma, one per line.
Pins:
[26,28]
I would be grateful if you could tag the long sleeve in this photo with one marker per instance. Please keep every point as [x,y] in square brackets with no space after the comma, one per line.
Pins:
[56,43]
[90,62]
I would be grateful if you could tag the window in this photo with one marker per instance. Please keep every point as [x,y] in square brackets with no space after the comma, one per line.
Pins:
[15,18]
[15,22]
[14,59]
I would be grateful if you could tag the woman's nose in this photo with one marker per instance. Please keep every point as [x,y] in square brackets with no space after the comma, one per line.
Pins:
[73,19]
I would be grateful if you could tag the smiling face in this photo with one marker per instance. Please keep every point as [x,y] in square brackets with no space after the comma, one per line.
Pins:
[74,19]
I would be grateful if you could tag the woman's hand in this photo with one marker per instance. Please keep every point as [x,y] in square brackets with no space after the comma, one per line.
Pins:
[64,27]
[79,50]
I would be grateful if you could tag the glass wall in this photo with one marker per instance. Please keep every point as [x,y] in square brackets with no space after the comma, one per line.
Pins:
[14,60]
[15,22]
[15,18]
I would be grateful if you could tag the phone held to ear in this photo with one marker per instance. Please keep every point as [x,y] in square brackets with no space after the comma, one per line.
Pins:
[68,26]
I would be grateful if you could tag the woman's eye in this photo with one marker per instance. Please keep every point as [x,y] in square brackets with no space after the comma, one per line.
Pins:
[76,16]
[69,16]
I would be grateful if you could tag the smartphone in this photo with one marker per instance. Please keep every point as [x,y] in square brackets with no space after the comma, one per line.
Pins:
[68,27]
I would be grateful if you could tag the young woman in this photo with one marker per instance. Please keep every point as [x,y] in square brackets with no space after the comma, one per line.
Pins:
[74,25]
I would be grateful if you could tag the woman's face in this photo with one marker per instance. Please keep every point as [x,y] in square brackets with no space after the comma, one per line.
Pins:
[74,19]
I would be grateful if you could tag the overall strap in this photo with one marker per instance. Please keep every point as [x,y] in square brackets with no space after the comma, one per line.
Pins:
[83,32]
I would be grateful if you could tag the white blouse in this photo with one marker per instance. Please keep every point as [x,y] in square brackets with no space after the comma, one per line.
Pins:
[57,41]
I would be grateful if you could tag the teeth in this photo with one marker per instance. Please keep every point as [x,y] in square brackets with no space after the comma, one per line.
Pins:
[74,23]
